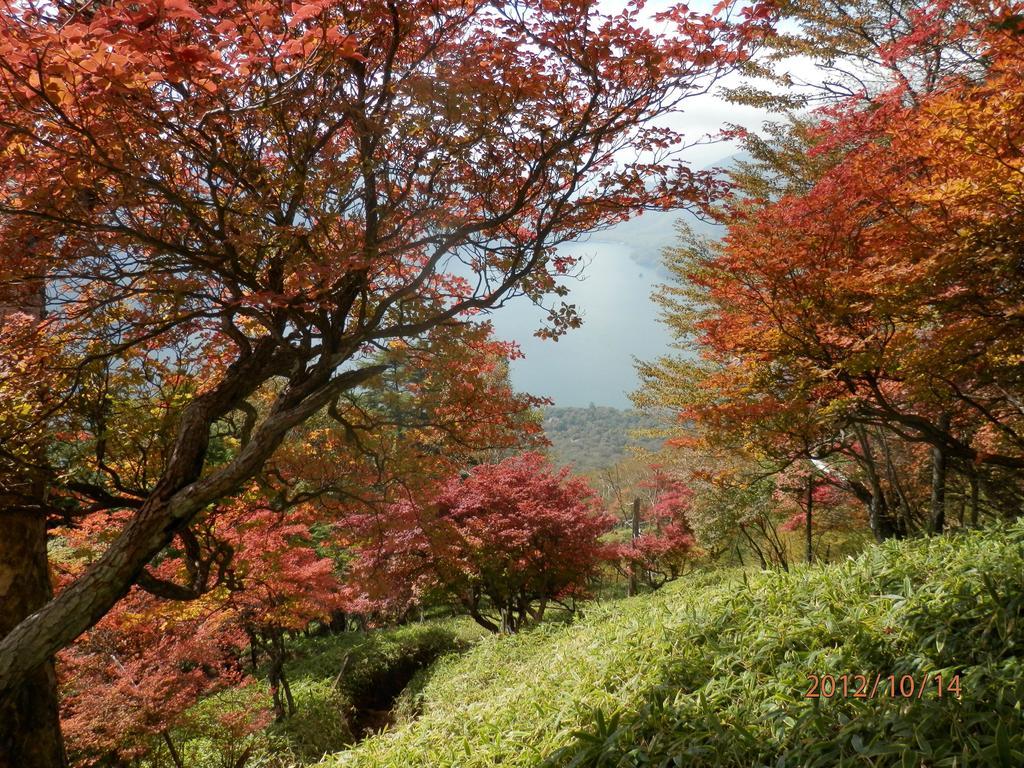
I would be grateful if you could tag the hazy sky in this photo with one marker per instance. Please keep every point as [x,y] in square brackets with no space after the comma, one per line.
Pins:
[595,364]
[592,364]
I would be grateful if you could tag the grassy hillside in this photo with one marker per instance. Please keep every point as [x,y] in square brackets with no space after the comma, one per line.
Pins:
[713,672]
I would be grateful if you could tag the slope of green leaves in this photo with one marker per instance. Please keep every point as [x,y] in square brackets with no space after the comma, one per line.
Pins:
[713,672]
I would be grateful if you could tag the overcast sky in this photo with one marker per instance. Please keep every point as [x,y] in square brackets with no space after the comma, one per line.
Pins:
[595,364]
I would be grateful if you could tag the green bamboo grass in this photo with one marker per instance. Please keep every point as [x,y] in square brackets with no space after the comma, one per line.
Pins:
[713,671]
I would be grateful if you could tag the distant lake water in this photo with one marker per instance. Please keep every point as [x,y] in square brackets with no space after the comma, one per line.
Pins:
[592,364]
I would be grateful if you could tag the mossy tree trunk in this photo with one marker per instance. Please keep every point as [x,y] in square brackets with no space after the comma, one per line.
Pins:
[30,735]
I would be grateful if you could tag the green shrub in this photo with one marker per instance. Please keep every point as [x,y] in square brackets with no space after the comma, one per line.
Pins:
[329,676]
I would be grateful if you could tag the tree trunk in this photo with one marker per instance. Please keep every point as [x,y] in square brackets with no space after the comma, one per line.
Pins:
[807,527]
[771,537]
[636,534]
[29,722]
[338,622]
[284,704]
[30,734]
[938,510]
[537,614]
[507,620]
[471,602]
[171,749]
[756,549]
[880,516]
[906,509]
[974,500]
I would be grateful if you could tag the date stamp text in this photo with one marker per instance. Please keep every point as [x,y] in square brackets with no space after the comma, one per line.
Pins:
[879,685]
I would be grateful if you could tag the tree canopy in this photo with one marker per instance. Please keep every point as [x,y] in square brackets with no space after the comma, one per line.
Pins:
[217,216]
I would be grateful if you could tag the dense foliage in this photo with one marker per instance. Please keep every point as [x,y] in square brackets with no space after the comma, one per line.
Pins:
[501,541]
[860,321]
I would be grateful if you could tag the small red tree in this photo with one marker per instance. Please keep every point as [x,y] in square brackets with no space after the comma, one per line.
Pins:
[502,541]
[280,583]
[132,679]
[665,541]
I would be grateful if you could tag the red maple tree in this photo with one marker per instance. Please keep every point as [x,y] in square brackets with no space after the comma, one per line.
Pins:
[501,541]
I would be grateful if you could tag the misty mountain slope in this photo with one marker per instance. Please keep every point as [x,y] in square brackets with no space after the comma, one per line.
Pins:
[595,437]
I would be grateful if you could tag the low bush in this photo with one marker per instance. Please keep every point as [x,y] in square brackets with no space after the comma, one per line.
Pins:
[332,678]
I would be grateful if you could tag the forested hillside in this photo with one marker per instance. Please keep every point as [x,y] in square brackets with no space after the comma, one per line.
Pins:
[598,436]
